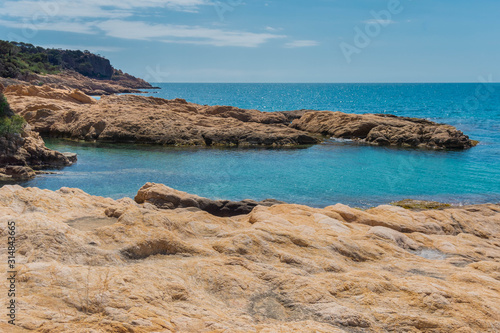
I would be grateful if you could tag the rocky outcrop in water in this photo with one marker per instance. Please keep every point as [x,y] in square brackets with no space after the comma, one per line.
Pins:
[136,119]
[384,130]
[139,119]
[87,263]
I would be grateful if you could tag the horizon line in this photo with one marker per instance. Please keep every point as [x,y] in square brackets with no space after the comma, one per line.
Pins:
[198,82]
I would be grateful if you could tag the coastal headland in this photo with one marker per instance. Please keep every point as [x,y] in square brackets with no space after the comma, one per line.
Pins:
[27,64]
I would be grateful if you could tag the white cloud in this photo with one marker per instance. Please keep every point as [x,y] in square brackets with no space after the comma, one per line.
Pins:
[170,33]
[381,22]
[34,10]
[301,43]
[271,29]
[114,19]
[31,27]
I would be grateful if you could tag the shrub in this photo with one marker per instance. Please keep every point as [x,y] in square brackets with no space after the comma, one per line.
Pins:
[9,122]
[11,125]
[5,110]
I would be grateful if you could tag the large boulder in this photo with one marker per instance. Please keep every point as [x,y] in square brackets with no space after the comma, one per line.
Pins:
[165,197]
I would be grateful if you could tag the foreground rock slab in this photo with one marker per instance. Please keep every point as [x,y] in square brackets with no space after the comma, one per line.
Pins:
[93,264]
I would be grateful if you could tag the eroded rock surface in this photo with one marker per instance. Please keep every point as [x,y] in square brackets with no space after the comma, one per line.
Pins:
[50,93]
[93,264]
[384,130]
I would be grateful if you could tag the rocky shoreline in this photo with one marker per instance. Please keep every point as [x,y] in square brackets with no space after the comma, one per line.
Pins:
[384,130]
[22,152]
[67,113]
[123,265]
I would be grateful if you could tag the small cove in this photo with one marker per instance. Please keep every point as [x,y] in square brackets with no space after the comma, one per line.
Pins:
[321,175]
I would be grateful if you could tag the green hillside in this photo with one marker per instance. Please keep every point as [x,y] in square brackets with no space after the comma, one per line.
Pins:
[19,59]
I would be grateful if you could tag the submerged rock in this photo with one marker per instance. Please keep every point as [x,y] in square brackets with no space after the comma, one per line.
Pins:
[92,263]
[420,204]
[122,83]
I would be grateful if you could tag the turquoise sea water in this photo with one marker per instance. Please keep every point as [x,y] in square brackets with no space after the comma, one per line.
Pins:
[321,175]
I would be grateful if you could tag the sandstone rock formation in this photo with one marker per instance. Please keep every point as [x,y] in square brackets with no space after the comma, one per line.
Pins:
[90,264]
[141,119]
[384,130]
[176,122]
[19,153]
[28,149]
[49,92]
[165,197]
[17,172]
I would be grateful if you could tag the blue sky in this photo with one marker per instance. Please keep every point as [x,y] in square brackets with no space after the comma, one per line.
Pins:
[271,40]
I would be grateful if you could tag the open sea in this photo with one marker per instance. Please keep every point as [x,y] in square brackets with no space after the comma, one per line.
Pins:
[333,172]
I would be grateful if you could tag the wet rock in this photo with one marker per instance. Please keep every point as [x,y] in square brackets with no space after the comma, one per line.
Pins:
[20,172]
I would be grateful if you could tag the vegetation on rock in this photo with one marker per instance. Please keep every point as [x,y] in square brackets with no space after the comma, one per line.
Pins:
[9,123]
[5,110]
